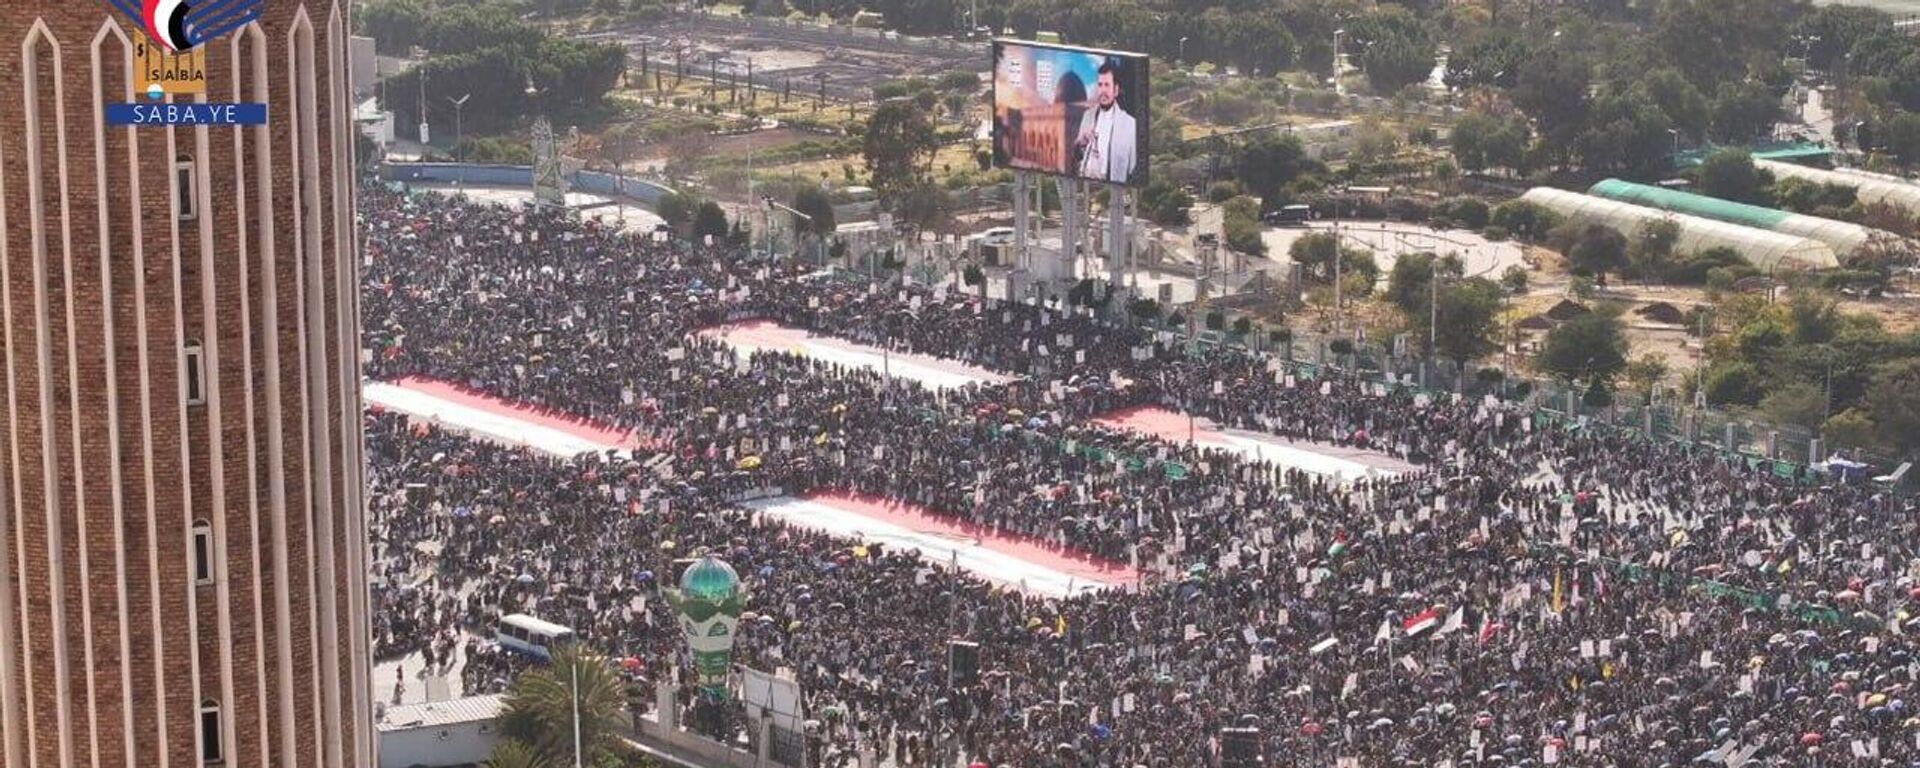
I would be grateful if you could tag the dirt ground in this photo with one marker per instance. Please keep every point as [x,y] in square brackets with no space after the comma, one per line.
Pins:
[851,64]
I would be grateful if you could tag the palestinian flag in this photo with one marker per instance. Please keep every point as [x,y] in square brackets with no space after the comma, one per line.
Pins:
[1422,622]
[1339,546]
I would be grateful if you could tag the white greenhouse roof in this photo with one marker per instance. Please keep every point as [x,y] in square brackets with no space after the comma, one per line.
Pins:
[1869,188]
[1764,248]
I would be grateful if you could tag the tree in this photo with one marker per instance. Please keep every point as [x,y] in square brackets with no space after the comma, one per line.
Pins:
[1165,203]
[1240,222]
[1586,346]
[1266,165]
[1714,40]
[1315,252]
[1733,383]
[1798,403]
[569,77]
[1373,143]
[1495,60]
[1144,308]
[1646,372]
[1553,90]
[676,209]
[1893,402]
[1410,283]
[1597,249]
[1901,135]
[1397,61]
[709,221]
[1815,318]
[1467,316]
[1481,141]
[818,207]
[1525,219]
[1677,98]
[923,206]
[394,25]
[918,17]
[1599,393]
[1830,31]
[1625,132]
[1742,111]
[1651,253]
[1514,279]
[512,753]
[1730,175]
[1848,429]
[540,707]
[898,145]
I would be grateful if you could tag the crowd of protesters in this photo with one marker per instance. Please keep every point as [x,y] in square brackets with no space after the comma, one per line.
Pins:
[1532,594]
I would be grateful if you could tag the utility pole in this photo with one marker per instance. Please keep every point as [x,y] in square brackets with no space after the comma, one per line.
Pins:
[1826,407]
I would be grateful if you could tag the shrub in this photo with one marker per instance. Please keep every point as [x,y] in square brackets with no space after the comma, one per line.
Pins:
[1514,279]
[1469,212]
[1528,221]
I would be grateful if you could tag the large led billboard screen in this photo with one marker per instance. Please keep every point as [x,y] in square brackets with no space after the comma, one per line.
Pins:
[1077,112]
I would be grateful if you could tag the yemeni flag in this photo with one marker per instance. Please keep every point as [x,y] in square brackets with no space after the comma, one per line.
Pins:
[1488,629]
[1422,622]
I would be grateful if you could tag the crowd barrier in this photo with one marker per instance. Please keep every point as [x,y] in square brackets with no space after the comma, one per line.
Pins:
[594,182]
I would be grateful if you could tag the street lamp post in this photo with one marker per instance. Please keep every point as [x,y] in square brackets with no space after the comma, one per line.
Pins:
[574,666]
[459,130]
[1183,49]
[1433,316]
[1336,58]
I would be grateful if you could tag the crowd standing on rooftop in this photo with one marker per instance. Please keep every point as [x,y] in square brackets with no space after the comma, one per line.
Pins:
[1531,594]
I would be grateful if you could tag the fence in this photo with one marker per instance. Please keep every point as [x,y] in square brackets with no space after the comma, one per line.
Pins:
[1766,601]
[1785,450]
[595,182]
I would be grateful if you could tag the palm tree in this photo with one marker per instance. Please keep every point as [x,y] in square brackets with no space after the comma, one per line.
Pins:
[512,753]
[541,707]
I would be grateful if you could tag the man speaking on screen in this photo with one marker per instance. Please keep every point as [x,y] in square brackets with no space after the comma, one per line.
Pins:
[1106,140]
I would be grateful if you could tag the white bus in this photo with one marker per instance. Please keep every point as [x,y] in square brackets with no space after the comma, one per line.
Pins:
[526,634]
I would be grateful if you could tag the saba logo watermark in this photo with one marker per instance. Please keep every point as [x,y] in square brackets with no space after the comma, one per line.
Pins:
[169,61]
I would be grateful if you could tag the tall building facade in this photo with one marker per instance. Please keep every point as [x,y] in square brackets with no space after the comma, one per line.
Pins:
[182,537]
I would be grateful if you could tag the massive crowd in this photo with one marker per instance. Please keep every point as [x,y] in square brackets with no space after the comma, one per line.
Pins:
[1597,599]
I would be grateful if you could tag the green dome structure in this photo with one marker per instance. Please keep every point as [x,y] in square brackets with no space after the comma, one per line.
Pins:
[710,579]
[709,602]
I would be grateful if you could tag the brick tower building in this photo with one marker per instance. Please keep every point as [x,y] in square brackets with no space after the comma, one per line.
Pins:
[182,537]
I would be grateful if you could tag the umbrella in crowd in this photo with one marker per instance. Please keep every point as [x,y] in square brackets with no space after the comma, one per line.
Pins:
[1528,596]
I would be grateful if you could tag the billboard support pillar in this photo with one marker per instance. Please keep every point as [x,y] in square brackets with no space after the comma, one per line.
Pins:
[1022,222]
[1064,266]
[1119,245]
